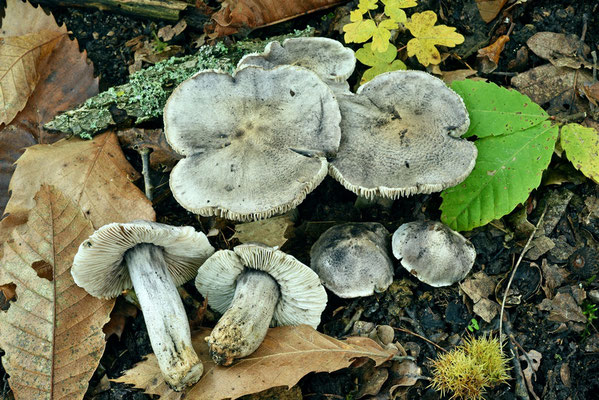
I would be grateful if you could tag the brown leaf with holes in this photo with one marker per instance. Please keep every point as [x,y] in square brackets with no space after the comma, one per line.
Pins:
[94,174]
[52,335]
[489,9]
[286,355]
[65,80]
[237,14]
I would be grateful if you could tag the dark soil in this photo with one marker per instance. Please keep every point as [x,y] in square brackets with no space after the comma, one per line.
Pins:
[441,315]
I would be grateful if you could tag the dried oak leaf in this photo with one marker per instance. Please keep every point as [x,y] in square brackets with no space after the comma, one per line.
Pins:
[237,14]
[286,355]
[52,335]
[94,174]
[65,79]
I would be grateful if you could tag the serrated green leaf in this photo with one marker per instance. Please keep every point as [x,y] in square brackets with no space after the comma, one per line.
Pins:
[495,110]
[581,145]
[507,169]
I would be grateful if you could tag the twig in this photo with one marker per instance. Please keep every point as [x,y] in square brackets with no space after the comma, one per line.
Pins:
[409,332]
[520,387]
[145,171]
[509,284]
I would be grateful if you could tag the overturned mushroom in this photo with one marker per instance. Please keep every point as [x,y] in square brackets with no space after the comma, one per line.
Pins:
[152,258]
[401,136]
[256,286]
[433,253]
[352,259]
[328,58]
[255,143]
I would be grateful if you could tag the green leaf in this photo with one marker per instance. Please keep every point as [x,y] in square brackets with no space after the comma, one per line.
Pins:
[507,169]
[581,145]
[380,69]
[495,110]
[380,62]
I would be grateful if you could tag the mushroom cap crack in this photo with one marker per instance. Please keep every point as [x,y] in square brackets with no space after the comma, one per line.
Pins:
[255,143]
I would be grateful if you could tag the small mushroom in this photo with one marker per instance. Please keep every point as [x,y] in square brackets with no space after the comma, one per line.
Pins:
[255,143]
[152,258]
[328,58]
[352,260]
[256,286]
[433,253]
[400,135]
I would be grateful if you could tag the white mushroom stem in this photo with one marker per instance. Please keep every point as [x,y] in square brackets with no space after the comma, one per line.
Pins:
[165,316]
[243,326]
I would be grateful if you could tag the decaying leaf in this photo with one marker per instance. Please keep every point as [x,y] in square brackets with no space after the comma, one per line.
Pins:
[237,14]
[65,80]
[286,355]
[581,145]
[162,157]
[533,359]
[427,36]
[489,56]
[94,174]
[560,49]
[489,9]
[563,308]
[479,288]
[269,231]
[52,334]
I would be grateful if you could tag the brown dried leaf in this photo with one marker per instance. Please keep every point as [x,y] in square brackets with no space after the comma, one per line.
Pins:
[118,318]
[489,9]
[65,80]
[94,174]
[52,334]
[286,355]
[162,157]
[168,32]
[237,14]
[271,231]
[559,49]
[489,56]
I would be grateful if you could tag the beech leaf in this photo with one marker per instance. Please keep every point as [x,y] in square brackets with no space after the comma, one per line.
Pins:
[94,174]
[581,145]
[427,36]
[52,335]
[286,355]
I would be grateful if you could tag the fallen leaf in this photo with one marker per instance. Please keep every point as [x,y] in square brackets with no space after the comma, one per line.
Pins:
[370,380]
[162,157]
[532,367]
[581,145]
[553,277]
[237,14]
[286,355]
[65,80]
[52,334]
[168,32]
[427,36]
[94,174]
[489,56]
[478,288]
[270,231]
[563,308]
[559,49]
[118,318]
[489,9]
[458,75]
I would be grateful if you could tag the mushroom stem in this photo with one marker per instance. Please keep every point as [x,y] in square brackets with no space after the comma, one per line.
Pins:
[243,326]
[165,316]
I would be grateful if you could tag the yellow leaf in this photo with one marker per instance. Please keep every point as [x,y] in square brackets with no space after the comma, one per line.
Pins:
[380,62]
[393,9]
[380,40]
[427,36]
[359,31]
[356,15]
[366,5]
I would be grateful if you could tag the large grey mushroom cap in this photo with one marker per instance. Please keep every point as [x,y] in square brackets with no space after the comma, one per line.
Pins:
[352,260]
[255,143]
[302,297]
[433,253]
[328,58]
[401,136]
[99,265]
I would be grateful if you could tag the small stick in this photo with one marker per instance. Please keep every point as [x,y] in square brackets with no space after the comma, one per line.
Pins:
[520,387]
[509,284]
[145,171]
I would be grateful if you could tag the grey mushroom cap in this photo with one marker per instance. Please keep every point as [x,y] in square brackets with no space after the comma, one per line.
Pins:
[328,58]
[401,136]
[99,265]
[352,260]
[255,143]
[433,253]
[302,297]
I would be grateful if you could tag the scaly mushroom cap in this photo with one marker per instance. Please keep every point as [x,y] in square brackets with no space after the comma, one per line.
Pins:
[433,253]
[400,135]
[352,260]
[328,58]
[302,299]
[99,265]
[255,143]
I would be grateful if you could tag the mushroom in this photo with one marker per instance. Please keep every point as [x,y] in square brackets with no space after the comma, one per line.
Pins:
[400,135]
[433,253]
[152,258]
[256,286]
[328,58]
[255,143]
[352,259]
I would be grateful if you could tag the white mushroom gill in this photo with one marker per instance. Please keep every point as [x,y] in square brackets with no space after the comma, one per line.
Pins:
[243,326]
[164,315]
